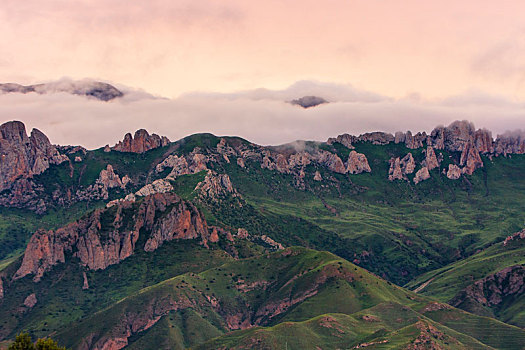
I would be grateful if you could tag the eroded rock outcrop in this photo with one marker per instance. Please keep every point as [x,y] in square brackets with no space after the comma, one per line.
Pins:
[108,236]
[183,165]
[454,172]
[399,168]
[106,180]
[215,187]
[492,290]
[421,175]
[141,142]
[431,161]
[470,159]
[22,157]
[357,163]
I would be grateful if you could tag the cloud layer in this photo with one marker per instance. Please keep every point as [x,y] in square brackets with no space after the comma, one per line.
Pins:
[262,116]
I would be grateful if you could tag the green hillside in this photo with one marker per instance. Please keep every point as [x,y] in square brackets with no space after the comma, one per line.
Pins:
[289,293]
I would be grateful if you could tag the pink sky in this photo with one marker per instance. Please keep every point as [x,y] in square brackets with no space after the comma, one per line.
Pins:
[431,49]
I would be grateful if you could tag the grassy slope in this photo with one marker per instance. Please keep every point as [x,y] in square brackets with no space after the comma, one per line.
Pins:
[61,299]
[289,276]
[395,229]
[446,282]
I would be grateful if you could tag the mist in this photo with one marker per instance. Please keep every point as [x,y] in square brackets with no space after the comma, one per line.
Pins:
[261,116]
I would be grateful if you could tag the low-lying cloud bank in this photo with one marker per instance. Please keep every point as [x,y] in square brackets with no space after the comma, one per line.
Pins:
[262,116]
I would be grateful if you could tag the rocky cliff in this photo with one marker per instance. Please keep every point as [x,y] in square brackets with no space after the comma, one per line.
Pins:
[21,158]
[108,236]
[141,142]
[492,290]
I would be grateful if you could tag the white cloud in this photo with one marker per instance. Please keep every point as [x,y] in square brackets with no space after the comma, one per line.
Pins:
[260,116]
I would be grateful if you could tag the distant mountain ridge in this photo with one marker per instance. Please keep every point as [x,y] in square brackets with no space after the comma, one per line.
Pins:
[95,89]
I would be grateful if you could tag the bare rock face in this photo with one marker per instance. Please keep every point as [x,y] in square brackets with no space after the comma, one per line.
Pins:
[30,301]
[408,165]
[421,175]
[483,141]
[510,142]
[22,156]
[415,141]
[431,161]
[357,163]
[470,159]
[157,186]
[183,165]
[107,180]
[332,162]
[454,172]
[317,176]
[215,187]
[108,236]
[141,142]
[399,168]
[395,172]
[493,289]
[458,134]
[344,139]
[376,138]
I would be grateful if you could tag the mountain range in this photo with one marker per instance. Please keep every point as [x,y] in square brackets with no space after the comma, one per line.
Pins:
[405,240]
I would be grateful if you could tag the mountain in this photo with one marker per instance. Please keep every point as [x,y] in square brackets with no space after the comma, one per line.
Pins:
[94,89]
[217,242]
[489,283]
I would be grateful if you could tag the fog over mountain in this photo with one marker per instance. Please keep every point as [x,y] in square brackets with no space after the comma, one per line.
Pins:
[263,116]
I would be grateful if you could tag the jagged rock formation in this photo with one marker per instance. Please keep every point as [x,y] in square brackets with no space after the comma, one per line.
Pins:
[454,172]
[309,101]
[30,301]
[357,163]
[431,161]
[141,142]
[107,180]
[183,165]
[23,156]
[215,187]
[108,236]
[510,142]
[376,138]
[399,168]
[421,175]
[157,186]
[492,290]
[95,89]
[470,159]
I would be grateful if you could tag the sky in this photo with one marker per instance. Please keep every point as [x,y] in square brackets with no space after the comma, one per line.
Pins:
[441,60]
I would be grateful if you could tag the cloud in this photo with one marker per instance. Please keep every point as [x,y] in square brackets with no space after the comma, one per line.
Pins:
[261,116]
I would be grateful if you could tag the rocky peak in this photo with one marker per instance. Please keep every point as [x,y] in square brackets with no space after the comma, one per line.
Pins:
[431,161]
[399,168]
[357,163]
[470,159]
[23,156]
[216,186]
[141,142]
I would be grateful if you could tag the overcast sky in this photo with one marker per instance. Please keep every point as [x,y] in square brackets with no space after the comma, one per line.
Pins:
[415,63]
